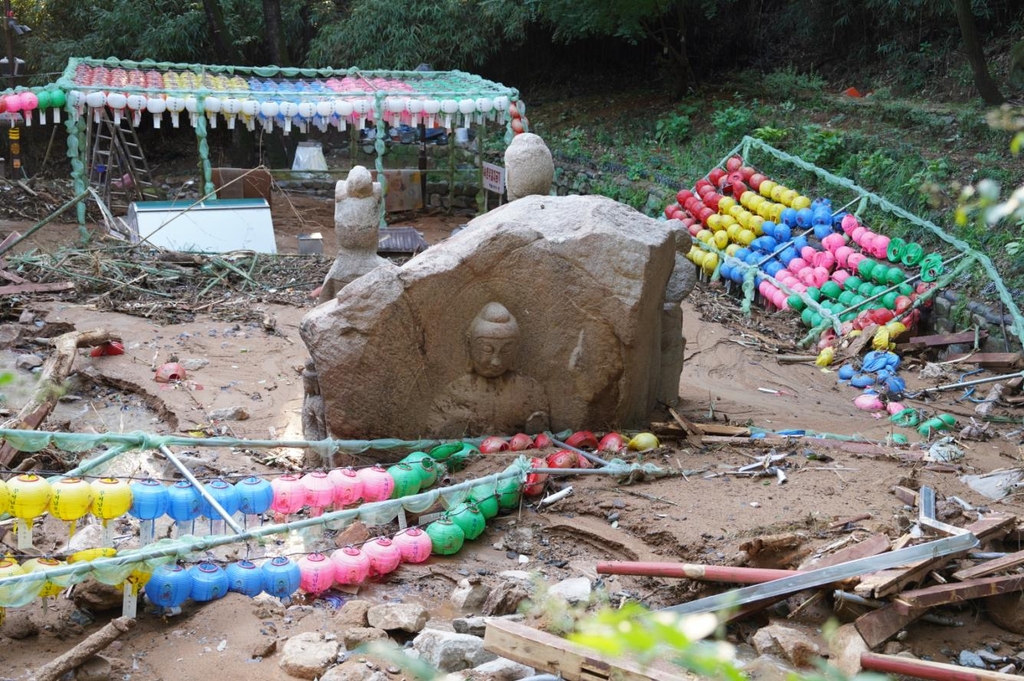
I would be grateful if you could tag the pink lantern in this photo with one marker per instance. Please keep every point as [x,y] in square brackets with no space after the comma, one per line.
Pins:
[808,253]
[867,241]
[156,107]
[316,573]
[351,566]
[849,223]
[825,259]
[894,407]
[29,102]
[843,254]
[840,276]
[289,495]
[377,484]
[868,402]
[384,556]
[348,486]
[414,544]
[854,260]
[319,492]
[858,234]
[12,103]
[881,246]
[796,264]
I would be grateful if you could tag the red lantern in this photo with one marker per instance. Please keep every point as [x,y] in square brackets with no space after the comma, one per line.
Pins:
[755,181]
[520,442]
[612,442]
[493,444]
[747,172]
[541,441]
[563,458]
[682,195]
[582,439]
[716,175]
[734,163]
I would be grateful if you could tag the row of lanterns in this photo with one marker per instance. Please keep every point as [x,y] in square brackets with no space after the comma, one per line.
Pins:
[28,496]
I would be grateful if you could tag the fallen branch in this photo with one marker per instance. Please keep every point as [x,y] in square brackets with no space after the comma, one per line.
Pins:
[55,669]
[54,373]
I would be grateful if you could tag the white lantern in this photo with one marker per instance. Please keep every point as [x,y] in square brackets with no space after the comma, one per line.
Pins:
[250,107]
[289,110]
[415,108]
[324,108]
[343,110]
[192,107]
[96,101]
[431,107]
[362,107]
[396,107]
[156,107]
[136,104]
[175,105]
[212,106]
[501,107]
[231,108]
[449,107]
[269,111]
[484,109]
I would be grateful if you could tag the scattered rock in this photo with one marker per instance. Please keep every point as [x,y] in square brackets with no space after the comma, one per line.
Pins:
[571,590]
[18,625]
[96,668]
[893,648]
[478,625]
[970,659]
[504,599]
[264,648]
[353,670]
[353,534]
[793,644]
[520,540]
[410,617]
[265,606]
[87,537]
[469,594]
[28,362]
[97,596]
[1005,611]
[229,414]
[194,363]
[308,655]
[353,614]
[451,652]
[502,669]
[357,636]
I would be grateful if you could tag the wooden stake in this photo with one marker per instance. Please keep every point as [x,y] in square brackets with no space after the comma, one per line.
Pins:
[55,669]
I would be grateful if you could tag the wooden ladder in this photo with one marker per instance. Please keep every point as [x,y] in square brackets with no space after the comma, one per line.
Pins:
[118,168]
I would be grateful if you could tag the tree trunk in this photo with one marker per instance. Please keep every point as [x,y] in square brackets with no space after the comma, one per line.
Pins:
[219,33]
[272,23]
[686,81]
[975,55]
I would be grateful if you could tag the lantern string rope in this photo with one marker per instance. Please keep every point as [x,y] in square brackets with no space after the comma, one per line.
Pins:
[1017,327]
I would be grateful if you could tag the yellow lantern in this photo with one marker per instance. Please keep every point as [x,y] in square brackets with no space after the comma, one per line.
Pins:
[721,239]
[4,498]
[736,211]
[766,188]
[745,198]
[731,249]
[70,499]
[111,499]
[728,221]
[8,568]
[746,237]
[776,212]
[28,496]
[704,235]
[764,209]
[644,441]
[755,224]
[51,587]
[744,220]
[86,555]
[801,202]
[733,231]
[725,203]
[789,196]
[713,222]
[710,263]
[777,192]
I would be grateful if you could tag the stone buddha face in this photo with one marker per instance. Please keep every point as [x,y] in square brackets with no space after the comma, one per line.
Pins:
[493,341]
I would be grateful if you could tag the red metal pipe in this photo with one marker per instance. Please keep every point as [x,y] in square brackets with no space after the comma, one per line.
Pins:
[708,573]
[923,669]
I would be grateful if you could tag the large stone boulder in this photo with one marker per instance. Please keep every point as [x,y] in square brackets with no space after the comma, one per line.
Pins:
[584,281]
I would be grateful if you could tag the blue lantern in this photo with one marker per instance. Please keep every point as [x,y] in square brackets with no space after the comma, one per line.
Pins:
[245,578]
[225,494]
[281,578]
[209,582]
[169,586]
[150,499]
[254,495]
[185,502]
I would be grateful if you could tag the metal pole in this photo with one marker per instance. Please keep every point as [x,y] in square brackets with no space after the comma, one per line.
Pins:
[592,458]
[979,381]
[203,492]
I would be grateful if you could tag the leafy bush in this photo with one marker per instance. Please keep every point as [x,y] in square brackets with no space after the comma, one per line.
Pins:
[732,123]
[674,128]
[789,84]
[823,147]
[771,135]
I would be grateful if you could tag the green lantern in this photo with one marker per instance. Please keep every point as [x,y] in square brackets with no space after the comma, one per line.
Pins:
[508,494]
[469,518]
[486,499]
[424,467]
[407,480]
[446,537]
[442,452]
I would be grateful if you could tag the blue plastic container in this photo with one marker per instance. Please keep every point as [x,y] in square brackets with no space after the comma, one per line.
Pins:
[245,578]
[150,500]
[254,495]
[788,216]
[281,577]
[225,494]
[169,586]
[804,217]
[209,582]
[184,501]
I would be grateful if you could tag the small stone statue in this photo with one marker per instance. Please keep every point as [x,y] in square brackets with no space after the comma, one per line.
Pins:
[492,398]
[356,222]
[528,166]
[313,426]
[673,344]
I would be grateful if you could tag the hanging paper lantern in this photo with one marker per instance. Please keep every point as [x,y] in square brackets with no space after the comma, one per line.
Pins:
[281,578]
[231,108]
[29,496]
[212,106]
[150,499]
[13,103]
[111,498]
[209,582]
[317,573]
[319,492]
[396,106]
[468,517]
[245,578]
[486,499]
[117,102]
[136,104]
[377,484]
[325,108]
[501,104]
[184,502]
[343,110]
[449,107]
[467,107]
[70,499]
[255,495]
[348,486]
[29,102]
[351,566]
[415,108]
[269,111]
[156,107]
[169,586]
[225,494]
[484,108]
[9,568]
[431,107]
[406,480]
[362,109]
[414,544]
[289,495]
[175,105]
[446,537]
[509,490]
[288,110]
[307,110]
[385,556]
[53,586]
[192,107]
[250,108]
[424,466]
[4,498]
[57,102]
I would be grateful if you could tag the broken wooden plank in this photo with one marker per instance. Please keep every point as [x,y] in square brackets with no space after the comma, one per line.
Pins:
[943,594]
[941,339]
[32,287]
[905,494]
[872,546]
[571,661]
[991,360]
[719,429]
[694,434]
[878,626]
[11,277]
